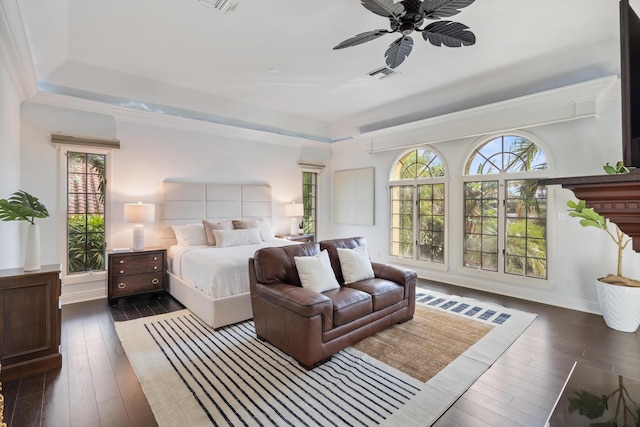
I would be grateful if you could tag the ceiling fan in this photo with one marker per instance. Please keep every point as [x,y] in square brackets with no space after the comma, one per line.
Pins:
[407,16]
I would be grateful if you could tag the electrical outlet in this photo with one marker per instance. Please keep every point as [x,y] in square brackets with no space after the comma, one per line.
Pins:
[561,216]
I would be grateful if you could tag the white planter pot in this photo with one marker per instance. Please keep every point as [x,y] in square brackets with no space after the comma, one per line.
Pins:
[32,248]
[620,306]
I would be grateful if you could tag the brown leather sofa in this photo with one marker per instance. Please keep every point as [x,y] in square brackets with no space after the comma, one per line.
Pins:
[311,326]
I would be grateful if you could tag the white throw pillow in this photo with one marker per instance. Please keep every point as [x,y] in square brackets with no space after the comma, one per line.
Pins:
[190,234]
[265,230]
[316,273]
[210,226]
[355,264]
[239,237]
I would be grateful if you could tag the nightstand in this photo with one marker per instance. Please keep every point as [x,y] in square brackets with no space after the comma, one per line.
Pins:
[299,237]
[136,272]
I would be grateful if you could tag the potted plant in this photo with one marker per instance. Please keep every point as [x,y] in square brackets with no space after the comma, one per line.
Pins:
[618,296]
[22,206]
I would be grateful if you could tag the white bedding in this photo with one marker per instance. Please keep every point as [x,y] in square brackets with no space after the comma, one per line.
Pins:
[218,272]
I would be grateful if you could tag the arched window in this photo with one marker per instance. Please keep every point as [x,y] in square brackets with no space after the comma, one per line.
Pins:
[505,208]
[418,207]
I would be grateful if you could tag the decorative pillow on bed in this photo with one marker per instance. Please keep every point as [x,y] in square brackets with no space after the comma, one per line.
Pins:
[245,223]
[266,232]
[209,226]
[355,264]
[190,234]
[315,272]
[226,238]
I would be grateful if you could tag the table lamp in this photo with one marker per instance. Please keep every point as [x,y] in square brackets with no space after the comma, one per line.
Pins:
[139,213]
[294,210]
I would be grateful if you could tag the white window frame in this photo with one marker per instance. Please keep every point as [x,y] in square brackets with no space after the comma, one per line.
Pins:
[415,262]
[63,150]
[500,275]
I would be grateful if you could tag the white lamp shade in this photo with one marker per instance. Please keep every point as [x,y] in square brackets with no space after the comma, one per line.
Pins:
[139,213]
[293,209]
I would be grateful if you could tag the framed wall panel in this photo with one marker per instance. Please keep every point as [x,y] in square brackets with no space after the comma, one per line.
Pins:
[353,196]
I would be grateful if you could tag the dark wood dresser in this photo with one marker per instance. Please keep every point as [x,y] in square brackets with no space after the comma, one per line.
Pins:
[136,272]
[30,316]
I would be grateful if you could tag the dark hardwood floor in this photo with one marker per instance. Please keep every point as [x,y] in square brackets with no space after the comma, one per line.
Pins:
[96,385]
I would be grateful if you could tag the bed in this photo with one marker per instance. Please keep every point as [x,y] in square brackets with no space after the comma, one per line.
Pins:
[213,281]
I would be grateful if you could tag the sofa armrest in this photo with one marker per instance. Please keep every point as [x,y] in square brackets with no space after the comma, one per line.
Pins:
[303,302]
[401,276]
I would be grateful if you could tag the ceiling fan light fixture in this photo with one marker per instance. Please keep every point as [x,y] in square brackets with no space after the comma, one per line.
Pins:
[407,16]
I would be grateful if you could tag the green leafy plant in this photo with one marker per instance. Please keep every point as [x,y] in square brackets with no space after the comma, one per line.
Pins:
[590,218]
[22,206]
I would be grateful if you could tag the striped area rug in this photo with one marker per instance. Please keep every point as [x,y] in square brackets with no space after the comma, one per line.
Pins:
[195,376]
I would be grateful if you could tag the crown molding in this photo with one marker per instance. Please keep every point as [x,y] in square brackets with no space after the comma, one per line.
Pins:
[553,106]
[15,53]
[128,115]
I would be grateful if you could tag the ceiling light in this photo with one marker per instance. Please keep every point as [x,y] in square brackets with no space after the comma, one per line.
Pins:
[222,5]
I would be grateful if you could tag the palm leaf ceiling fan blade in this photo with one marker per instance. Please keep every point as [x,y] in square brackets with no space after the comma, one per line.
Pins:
[407,16]
[361,38]
[386,8]
[450,34]
[436,9]
[398,51]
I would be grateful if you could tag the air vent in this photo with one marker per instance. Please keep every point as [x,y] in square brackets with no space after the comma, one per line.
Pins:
[383,73]
[222,5]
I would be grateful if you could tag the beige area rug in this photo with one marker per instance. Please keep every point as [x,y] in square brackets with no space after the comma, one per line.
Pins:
[195,376]
[439,336]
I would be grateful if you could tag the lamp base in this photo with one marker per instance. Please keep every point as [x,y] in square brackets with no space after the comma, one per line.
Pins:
[138,237]
[294,226]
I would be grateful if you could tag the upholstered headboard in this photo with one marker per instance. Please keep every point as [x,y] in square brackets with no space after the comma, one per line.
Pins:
[191,202]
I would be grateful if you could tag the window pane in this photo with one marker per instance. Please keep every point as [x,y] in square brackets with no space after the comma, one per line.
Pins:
[418,164]
[510,153]
[402,221]
[526,229]
[430,244]
[86,181]
[481,220]
[417,225]
[309,199]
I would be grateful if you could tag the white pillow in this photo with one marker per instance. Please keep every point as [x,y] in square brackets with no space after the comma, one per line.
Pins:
[190,234]
[315,272]
[238,237]
[355,264]
[265,230]
[209,226]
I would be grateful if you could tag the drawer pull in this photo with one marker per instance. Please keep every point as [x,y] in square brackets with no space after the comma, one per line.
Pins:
[155,281]
[122,285]
[155,258]
[121,261]
[155,267]
[121,271]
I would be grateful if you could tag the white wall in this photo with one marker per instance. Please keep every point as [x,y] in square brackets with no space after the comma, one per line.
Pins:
[149,154]
[151,151]
[576,255]
[10,243]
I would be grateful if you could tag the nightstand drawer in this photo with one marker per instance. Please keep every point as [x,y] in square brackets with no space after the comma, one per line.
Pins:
[128,285]
[128,265]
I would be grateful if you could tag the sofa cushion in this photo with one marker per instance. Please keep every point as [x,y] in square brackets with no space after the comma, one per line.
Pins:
[355,264]
[315,272]
[349,304]
[383,292]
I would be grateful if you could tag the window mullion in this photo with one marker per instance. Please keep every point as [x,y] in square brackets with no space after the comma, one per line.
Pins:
[502,224]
